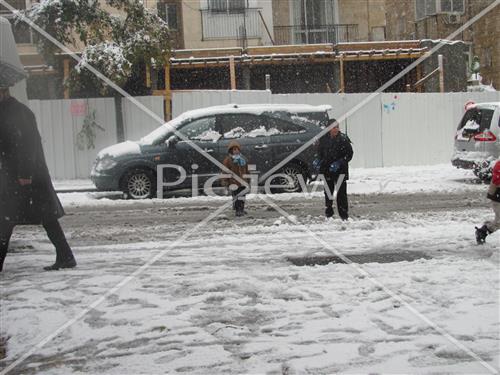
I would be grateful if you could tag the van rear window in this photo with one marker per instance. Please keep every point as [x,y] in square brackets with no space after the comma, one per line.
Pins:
[476,120]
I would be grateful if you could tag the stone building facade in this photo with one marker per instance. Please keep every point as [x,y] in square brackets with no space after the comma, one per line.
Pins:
[482,36]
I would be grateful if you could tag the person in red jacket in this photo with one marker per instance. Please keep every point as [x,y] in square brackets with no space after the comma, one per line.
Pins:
[493,194]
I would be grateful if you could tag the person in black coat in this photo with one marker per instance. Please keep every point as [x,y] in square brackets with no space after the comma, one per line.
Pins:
[27,196]
[333,157]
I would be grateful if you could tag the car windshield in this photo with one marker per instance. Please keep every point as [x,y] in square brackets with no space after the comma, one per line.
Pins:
[160,134]
[476,120]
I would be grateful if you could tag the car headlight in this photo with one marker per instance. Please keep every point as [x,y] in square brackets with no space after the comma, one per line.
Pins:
[105,164]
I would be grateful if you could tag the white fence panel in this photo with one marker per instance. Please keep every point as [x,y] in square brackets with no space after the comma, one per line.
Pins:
[416,129]
[364,127]
[388,130]
[138,122]
[60,121]
[106,118]
[365,136]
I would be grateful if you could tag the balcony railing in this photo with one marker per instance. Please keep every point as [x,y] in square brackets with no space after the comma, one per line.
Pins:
[318,34]
[241,24]
[18,4]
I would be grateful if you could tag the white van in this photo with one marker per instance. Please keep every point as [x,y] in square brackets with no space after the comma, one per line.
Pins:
[477,140]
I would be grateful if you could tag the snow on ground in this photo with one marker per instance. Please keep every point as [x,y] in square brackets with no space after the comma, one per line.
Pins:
[73,185]
[226,300]
[392,180]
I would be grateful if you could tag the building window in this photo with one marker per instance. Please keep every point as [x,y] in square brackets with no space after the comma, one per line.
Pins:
[232,6]
[168,12]
[452,6]
[488,58]
[378,33]
[313,12]
[425,8]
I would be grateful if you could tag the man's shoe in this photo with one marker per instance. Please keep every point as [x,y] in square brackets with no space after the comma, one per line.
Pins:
[329,212]
[70,263]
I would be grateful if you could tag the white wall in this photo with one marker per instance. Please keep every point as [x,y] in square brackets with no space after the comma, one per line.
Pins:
[60,121]
[138,123]
[389,130]
[417,130]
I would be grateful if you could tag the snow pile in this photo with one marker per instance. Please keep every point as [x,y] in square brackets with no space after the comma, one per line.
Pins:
[239,132]
[209,135]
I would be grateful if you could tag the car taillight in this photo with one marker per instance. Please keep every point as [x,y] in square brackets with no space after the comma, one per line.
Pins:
[485,137]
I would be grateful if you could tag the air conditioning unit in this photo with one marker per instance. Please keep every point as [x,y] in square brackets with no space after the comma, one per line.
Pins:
[452,18]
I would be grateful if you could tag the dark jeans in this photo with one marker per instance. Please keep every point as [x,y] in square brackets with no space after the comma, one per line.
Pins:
[54,232]
[239,200]
[342,201]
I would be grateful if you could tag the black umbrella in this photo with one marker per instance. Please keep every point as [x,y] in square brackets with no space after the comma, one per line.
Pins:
[11,69]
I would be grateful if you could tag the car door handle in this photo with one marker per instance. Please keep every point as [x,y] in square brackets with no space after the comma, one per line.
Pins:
[260,147]
[208,150]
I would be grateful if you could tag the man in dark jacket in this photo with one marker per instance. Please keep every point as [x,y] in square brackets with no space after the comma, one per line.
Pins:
[27,196]
[333,157]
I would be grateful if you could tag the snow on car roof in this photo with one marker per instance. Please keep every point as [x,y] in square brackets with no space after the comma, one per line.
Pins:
[256,109]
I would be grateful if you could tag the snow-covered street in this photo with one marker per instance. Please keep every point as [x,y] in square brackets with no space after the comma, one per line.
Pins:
[228,297]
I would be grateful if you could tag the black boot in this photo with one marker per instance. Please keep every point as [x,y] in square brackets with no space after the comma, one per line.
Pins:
[240,205]
[5,234]
[59,264]
[3,255]
[64,255]
[481,234]
[3,252]
[329,211]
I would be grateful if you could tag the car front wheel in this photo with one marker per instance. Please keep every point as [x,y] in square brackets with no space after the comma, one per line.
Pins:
[139,184]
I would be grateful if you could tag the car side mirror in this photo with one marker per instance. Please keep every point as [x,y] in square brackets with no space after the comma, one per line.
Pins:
[172,141]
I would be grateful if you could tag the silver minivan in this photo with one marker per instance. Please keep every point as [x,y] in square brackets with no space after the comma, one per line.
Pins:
[477,140]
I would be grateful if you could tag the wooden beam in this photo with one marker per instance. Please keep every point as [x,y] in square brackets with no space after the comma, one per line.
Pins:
[232,72]
[168,94]
[426,78]
[342,76]
[66,78]
[148,76]
[441,73]
[278,60]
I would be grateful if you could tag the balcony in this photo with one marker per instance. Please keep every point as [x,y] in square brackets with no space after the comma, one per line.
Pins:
[18,4]
[320,34]
[238,24]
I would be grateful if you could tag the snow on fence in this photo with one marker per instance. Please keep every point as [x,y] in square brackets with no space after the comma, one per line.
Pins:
[389,130]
